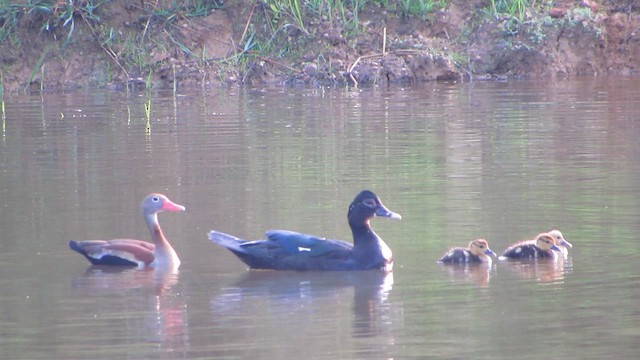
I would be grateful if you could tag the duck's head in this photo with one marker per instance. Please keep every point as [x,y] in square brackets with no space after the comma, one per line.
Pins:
[480,247]
[545,241]
[559,239]
[155,203]
[367,205]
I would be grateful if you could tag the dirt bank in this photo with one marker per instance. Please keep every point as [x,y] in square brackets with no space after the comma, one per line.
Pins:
[124,43]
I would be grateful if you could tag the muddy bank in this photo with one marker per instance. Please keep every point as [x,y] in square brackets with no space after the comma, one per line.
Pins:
[121,43]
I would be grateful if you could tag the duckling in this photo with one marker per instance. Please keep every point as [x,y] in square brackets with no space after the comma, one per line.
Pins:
[544,247]
[477,252]
[563,244]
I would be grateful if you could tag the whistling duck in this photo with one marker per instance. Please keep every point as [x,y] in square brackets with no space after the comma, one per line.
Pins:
[130,252]
[288,250]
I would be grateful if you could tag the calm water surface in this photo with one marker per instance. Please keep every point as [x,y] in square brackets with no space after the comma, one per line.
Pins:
[501,161]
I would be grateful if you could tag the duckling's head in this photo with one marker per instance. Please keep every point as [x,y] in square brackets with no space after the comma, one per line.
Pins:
[480,247]
[559,239]
[545,241]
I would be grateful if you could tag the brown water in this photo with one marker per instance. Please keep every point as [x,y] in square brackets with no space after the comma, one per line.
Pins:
[502,161]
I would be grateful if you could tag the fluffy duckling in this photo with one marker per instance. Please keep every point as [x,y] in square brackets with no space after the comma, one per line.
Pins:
[563,244]
[544,247]
[477,252]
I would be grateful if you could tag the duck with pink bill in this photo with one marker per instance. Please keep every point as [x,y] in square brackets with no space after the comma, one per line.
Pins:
[132,252]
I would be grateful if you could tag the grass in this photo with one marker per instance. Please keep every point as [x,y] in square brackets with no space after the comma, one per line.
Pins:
[63,14]
[9,16]
[61,20]
[517,18]
[178,10]
[345,13]
[420,8]
[512,8]
[268,30]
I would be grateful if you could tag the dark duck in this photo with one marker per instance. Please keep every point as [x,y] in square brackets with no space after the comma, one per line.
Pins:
[543,247]
[288,250]
[478,252]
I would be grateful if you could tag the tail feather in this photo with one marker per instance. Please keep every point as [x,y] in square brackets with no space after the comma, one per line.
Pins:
[92,250]
[75,246]
[229,241]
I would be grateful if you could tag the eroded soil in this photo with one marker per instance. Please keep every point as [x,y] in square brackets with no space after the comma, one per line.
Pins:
[461,42]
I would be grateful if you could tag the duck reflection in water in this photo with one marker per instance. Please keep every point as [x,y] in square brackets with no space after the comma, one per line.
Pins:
[478,273]
[132,295]
[543,271]
[319,296]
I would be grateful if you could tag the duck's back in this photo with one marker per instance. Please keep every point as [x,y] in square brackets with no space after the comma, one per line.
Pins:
[329,255]
[460,256]
[287,250]
[526,250]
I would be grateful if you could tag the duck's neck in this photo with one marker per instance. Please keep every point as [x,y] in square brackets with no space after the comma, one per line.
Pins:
[164,255]
[363,235]
[369,250]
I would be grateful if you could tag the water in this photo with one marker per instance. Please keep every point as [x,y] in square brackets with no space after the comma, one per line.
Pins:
[501,161]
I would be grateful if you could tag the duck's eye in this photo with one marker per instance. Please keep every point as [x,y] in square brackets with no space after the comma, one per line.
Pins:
[370,203]
[155,199]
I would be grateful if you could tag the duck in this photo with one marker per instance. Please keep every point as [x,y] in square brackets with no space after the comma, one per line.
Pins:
[131,252]
[544,246]
[478,252]
[561,243]
[289,250]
